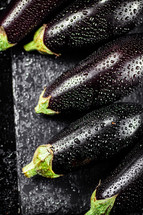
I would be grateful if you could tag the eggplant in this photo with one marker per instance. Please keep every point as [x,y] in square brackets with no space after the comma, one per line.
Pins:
[98,135]
[22,16]
[86,23]
[123,190]
[107,75]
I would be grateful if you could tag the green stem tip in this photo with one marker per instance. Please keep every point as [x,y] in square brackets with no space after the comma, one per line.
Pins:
[43,104]
[4,44]
[100,207]
[38,43]
[29,170]
[41,163]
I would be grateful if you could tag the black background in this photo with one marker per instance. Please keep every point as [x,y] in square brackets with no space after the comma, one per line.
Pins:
[8,174]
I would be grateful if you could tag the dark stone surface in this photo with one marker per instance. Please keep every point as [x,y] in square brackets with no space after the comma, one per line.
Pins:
[68,195]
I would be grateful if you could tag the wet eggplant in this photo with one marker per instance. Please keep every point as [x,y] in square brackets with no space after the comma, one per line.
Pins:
[112,72]
[123,190]
[99,135]
[86,23]
[22,16]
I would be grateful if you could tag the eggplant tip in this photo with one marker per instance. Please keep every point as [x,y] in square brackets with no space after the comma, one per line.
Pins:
[29,170]
[38,43]
[43,104]
[41,163]
[4,44]
[103,206]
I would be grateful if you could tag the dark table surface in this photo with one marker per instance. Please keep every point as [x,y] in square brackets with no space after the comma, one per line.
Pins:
[8,169]
[74,184]
[9,202]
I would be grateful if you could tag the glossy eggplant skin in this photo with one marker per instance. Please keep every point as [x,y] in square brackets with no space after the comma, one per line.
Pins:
[86,23]
[22,16]
[112,72]
[98,135]
[126,182]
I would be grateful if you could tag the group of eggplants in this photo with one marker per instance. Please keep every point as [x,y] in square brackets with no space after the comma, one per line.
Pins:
[95,84]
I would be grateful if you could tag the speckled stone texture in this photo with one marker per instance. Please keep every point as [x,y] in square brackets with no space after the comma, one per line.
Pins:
[62,196]
[66,195]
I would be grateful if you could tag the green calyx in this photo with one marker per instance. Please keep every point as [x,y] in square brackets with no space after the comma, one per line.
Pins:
[100,207]
[4,44]
[38,43]
[41,163]
[43,104]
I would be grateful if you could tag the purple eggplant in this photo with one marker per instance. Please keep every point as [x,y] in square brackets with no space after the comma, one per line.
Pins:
[123,190]
[22,16]
[86,23]
[112,72]
[98,135]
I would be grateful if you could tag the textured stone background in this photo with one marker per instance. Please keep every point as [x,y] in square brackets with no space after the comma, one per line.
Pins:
[66,195]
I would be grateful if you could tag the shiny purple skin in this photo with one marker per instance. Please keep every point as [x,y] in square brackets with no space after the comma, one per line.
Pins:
[112,72]
[86,23]
[127,182]
[22,16]
[98,135]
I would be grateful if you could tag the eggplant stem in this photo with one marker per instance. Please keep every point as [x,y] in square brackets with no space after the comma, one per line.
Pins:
[30,46]
[38,43]
[103,206]
[41,163]
[29,170]
[4,44]
[43,104]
